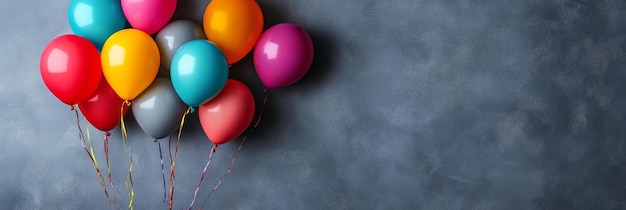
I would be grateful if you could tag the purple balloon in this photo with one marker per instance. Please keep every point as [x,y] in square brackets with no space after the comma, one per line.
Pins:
[283,55]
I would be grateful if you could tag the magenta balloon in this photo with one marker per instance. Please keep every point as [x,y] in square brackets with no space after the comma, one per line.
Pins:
[283,55]
[150,16]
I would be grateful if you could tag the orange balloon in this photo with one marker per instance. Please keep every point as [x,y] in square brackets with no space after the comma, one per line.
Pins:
[227,116]
[234,26]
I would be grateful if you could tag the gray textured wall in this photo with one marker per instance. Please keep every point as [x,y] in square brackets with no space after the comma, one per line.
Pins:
[490,104]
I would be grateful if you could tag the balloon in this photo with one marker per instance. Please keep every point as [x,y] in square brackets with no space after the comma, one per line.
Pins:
[283,55]
[70,68]
[102,109]
[174,35]
[130,62]
[158,110]
[96,20]
[148,15]
[199,71]
[229,114]
[234,25]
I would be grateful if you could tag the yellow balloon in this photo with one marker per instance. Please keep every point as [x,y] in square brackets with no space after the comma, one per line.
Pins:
[234,26]
[130,62]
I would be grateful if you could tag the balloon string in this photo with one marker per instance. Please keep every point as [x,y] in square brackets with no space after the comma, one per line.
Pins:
[95,161]
[123,125]
[130,190]
[162,172]
[172,160]
[202,177]
[258,120]
[232,162]
[106,154]
[169,148]
[90,154]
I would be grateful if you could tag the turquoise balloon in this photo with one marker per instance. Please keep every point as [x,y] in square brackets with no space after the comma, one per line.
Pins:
[198,71]
[96,20]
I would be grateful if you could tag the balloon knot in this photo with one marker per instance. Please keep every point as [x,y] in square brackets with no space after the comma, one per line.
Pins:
[266,89]
[72,108]
[155,139]
[107,133]
[127,102]
[191,110]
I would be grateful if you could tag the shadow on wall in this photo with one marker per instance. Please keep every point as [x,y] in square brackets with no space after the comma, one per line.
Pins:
[325,54]
[272,14]
[190,10]
[324,57]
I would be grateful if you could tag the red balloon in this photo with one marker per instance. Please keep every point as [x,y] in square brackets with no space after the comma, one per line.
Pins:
[70,68]
[226,116]
[102,109]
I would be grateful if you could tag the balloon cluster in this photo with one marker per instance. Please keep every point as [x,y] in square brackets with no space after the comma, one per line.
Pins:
[105,65]
[128,54]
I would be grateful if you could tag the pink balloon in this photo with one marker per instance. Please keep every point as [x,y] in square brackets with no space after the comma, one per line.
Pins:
[283,55]
[227,116]
[148,15]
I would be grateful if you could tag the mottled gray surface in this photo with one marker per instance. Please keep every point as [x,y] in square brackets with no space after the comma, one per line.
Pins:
[423,104]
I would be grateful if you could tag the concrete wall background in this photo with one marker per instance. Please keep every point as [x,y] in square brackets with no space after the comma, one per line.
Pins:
[428,104]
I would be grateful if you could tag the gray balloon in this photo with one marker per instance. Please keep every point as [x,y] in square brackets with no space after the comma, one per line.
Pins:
[171,37]
[158,110]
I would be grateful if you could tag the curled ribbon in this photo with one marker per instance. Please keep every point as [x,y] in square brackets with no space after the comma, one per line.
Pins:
[203,173]
[172,160]
[129,188]
[106,154]
[232,162]
[162,171]
[91,154]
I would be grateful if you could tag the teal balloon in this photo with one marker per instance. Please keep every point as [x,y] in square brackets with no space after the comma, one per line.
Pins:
[198,71]
[96,20]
